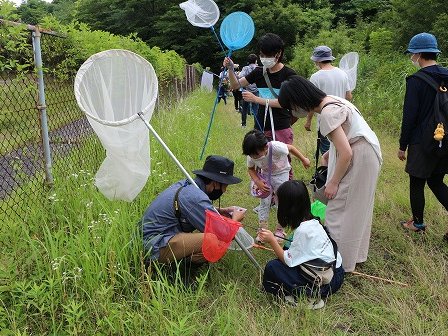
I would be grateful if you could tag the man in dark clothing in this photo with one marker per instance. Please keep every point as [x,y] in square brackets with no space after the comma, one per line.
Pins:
[169,221]
[418,104]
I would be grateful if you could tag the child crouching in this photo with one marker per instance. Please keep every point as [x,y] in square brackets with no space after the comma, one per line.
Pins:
[255,146]
[282,276]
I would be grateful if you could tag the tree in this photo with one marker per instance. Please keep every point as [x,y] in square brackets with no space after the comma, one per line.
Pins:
[63,10]
[32,11]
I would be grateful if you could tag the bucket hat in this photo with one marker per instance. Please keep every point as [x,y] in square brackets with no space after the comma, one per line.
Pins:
[219,169]
[423,42]
[322,53]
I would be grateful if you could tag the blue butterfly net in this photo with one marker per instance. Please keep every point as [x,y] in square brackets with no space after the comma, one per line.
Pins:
[237,30]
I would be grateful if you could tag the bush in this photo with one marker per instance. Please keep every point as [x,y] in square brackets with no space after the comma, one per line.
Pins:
[63,56]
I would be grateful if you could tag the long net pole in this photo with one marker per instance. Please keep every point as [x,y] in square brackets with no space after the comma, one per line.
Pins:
[176,161]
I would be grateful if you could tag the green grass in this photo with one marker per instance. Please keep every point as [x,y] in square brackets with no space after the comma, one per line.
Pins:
[73,265]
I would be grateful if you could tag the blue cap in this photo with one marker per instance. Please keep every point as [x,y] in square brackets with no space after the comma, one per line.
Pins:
[322,53]
[423,42]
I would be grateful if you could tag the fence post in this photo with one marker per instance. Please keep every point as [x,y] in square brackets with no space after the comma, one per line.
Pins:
[41,106]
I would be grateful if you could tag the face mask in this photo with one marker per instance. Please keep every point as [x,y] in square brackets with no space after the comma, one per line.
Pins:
[268,62]
[415,62]
[215,194]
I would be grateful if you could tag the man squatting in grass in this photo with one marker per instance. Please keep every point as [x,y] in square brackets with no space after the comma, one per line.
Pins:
[168,235]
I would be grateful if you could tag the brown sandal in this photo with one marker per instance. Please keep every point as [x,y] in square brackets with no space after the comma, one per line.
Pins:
[411,226]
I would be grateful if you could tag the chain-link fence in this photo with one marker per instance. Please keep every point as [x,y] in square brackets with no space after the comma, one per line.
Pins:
[25,165]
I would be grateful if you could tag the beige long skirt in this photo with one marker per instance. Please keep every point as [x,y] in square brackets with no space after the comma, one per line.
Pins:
[349,215]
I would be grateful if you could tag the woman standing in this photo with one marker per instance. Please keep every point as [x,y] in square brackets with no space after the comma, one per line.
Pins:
[354,161]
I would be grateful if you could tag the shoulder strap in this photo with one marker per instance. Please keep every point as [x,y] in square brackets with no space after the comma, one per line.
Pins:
[316,155]
[335,246]
[176,203]
[339,103]
[428,79]
[269,162]
[333,103]
[268,82]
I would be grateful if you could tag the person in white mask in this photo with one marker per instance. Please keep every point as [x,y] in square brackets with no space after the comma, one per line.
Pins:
[271,48]
[423,165]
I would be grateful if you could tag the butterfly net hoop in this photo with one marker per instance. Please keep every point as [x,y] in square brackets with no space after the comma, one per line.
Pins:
[111,88]
[349,63]
[237,30]
[201,13]
[218,234]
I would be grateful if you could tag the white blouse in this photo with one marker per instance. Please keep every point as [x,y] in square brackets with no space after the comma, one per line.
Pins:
[310,241]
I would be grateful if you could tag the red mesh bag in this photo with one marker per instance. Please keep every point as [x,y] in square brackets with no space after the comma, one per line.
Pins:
[218,234]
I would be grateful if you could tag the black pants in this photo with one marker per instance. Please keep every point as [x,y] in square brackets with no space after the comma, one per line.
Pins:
[237,97]
[417,194]
[280,279]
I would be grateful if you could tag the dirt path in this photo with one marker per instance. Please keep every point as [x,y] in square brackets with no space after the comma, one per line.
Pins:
[18,166]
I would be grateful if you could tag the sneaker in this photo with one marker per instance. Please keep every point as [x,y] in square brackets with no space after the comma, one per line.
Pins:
[280,234]
[290,301]
[315,304]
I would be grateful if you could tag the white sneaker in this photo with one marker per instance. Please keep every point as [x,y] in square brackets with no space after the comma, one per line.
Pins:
[315,304]
[290,300]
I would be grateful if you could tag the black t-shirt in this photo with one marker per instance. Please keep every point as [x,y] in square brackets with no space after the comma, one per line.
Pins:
[281,116]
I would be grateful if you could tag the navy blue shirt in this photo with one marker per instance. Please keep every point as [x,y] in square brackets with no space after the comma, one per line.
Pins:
[159,222]
[418,103]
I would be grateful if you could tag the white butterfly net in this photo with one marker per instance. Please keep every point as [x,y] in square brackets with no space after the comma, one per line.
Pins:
[207,81]
[201,13]
[111,87]
[349,63]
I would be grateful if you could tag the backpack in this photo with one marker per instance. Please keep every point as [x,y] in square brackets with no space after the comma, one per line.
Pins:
[434,139]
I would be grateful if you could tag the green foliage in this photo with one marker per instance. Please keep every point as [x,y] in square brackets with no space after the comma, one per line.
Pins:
[381,41]
[16,53]
[380,89]
[63,56]
[290,21]
[64,10]
[33,11]
[338,39]
[351,10]
[441,32]
[8,10]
